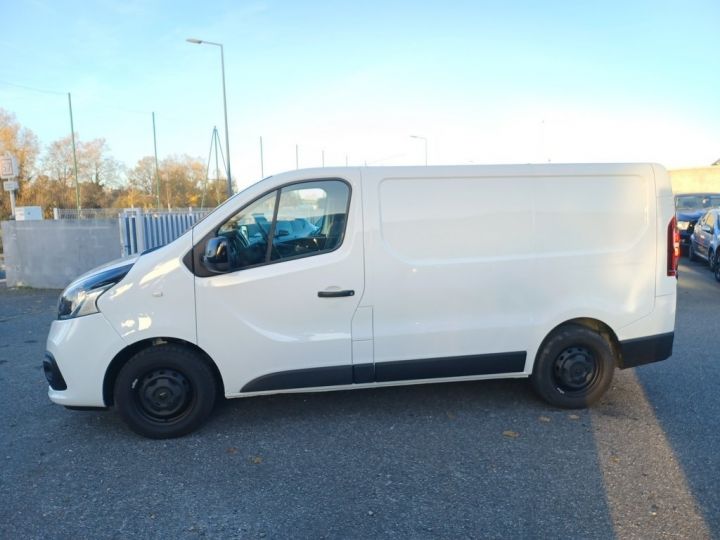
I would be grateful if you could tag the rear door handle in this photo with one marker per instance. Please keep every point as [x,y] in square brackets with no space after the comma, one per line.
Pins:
[335,294]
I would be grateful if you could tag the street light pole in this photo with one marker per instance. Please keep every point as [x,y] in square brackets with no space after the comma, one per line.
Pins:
[227,136]
[425,141]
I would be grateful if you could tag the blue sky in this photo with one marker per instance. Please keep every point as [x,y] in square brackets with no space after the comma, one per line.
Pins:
[485,82]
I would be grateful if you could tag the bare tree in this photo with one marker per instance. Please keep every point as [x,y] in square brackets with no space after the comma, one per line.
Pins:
[21,143]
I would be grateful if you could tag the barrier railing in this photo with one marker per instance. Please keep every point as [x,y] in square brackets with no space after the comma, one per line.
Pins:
[141,230]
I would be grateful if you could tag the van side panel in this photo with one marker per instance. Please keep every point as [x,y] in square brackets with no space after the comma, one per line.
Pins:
[444,260]
[595,244]
[481,261]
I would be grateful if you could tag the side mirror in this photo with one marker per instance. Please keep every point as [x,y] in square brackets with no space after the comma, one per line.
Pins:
[215,258]
[707,229]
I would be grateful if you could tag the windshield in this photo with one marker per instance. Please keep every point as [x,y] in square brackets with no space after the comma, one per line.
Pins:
[224,203]
[699,201]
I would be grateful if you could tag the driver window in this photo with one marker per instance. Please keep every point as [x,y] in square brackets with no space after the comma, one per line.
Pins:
[311,219]
[247,233]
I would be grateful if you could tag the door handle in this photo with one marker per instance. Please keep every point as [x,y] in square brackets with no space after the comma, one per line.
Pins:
[335,294]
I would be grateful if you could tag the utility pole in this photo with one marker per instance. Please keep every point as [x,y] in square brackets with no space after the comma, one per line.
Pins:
[157,169]
[262,165]
[72,133]
[323,158]
[297,158]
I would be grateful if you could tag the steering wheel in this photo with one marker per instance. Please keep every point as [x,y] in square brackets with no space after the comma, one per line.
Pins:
[265,235]
[235,246]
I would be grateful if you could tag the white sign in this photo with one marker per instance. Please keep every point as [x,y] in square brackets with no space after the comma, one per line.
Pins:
[8,167]
[10,185]
[28,213]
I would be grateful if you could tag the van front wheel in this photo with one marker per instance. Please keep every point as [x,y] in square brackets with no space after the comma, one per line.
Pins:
[574,367]
[165,391]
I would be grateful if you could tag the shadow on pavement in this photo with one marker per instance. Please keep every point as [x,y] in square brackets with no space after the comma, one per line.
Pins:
[683,390]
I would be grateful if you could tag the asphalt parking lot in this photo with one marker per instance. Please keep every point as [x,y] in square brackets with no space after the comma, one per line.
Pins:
[483,459]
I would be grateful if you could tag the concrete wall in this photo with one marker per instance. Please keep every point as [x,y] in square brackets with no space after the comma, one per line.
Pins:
[50,254]
[697,180]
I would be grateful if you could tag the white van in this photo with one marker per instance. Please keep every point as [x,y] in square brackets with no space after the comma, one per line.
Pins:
[339,278]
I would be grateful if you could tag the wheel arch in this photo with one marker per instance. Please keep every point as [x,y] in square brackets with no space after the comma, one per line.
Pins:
[128,352]
[593,324]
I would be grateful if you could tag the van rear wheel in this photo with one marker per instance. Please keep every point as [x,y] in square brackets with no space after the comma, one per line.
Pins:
[165,391]
[574,368]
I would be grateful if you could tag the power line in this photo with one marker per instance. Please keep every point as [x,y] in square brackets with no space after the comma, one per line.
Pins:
[91,101]
[32,89]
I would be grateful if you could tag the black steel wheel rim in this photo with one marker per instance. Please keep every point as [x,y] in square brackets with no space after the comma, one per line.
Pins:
[163,395]
[575,370]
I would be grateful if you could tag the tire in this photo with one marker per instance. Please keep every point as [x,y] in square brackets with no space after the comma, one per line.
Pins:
[165,391]
[691,253]
[712,261]
[717,272]
[574,367]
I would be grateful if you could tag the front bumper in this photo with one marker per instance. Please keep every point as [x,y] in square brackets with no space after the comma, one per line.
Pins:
[81,350]
[52,373]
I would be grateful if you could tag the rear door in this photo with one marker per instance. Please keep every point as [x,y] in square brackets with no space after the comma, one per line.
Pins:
[280,317]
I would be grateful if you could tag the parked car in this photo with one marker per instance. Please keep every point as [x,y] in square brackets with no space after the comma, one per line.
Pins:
[347,278]
[705,239]
[689,208]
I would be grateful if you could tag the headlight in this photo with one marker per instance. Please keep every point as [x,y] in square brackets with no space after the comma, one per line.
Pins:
[80,298]
[682,225]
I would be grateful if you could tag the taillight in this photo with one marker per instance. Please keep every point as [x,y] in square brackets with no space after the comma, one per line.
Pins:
[673,248]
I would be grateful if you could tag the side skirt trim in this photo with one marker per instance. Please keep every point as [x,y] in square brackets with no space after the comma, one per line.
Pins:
[403,370]
[301,378]
[454,366]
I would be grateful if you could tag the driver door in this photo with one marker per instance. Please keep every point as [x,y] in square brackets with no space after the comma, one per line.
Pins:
[279,316]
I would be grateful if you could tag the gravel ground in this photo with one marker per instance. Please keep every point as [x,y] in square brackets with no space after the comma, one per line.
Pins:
[483,459]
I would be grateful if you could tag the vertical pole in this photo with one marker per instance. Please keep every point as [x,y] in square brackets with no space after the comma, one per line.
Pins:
[72,133]
[425,140]
[297,160]
[218,144]
[216,137]
[12,203]
[227,136]
[157,169]
[262,165]
[323,158]
[346,160]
